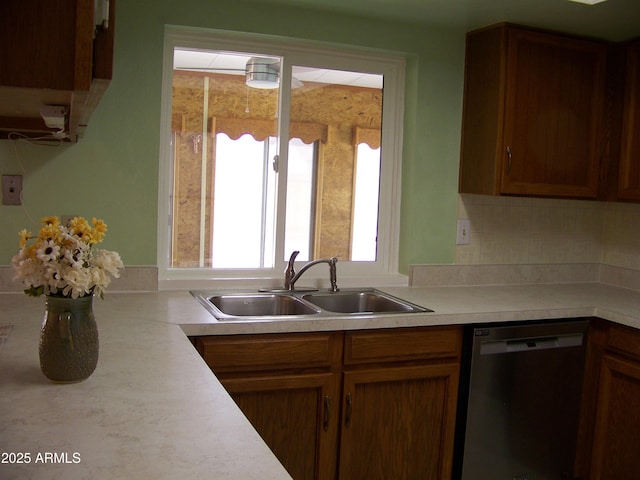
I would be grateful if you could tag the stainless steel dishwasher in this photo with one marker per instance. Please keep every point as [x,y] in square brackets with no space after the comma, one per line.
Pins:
[523,399]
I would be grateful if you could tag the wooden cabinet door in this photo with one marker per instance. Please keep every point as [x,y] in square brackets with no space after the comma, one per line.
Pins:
[398,422]
[617,425]
[554,102]
[533,107]
[297,416]
[629,180]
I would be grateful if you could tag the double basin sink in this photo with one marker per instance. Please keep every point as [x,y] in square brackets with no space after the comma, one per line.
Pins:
[303,304]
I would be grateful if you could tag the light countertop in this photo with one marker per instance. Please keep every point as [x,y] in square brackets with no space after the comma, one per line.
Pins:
[451,305]
[153,409]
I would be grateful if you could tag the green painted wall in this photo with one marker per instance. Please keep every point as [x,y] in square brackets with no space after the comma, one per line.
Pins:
[112,173]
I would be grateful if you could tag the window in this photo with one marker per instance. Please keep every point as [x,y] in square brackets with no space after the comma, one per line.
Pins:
[244,188]
[365,203]
[301,195]
[274,147]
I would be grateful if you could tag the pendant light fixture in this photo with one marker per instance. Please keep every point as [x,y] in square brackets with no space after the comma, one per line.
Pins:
[263,72]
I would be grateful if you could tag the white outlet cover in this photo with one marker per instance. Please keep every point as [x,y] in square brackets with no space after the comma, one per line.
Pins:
[463,235]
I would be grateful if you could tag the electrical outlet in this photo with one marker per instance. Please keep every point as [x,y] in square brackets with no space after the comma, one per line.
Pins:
[463,236]
[12,189]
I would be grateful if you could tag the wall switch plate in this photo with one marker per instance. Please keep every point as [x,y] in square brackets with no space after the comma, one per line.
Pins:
[463,236]
[12,189]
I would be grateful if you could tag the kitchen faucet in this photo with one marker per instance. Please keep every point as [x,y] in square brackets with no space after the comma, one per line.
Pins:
[291,276]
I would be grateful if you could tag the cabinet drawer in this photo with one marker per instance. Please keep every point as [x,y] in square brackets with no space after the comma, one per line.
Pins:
[270,351]
[375,346]
[624,339]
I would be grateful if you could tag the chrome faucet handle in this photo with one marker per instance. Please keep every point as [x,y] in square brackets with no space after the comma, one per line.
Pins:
[290,271]
[293,256]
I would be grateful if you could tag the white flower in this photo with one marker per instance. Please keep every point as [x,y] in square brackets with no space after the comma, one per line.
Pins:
[48,251]
[108,261]
[73,258]
[29,269]
[53,276]
[77,282]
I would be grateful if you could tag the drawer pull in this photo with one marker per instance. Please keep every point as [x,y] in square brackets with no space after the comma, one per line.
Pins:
[509,160]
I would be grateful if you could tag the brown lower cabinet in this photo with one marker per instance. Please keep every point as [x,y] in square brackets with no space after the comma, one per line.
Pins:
[374,404]
[380,404]
[292,413]
[398,422]
[610,430]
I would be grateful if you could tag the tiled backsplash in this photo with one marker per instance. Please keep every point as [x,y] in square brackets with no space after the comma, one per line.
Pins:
[621,242]
[513,230]
[509,274]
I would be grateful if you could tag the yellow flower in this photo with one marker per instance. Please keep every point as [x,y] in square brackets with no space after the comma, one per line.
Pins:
[80,227]
[52,220]
[24,237]
[31,251]
[99,230]
[49,231]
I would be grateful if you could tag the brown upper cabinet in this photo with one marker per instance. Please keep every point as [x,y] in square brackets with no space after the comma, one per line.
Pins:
[629,180]
[54,53]
[533,113]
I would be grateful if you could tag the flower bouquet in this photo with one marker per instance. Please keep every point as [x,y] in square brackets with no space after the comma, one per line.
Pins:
[62,262]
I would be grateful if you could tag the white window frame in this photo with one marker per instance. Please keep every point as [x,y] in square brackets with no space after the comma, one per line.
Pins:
[384,271]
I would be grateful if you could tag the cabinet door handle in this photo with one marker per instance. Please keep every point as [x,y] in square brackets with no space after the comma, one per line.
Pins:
[509,159]
[347,417]
[327,413]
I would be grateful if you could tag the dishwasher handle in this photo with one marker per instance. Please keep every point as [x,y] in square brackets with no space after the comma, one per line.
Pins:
[509,345]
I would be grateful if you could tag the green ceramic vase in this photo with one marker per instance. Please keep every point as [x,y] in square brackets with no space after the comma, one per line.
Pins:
[68,339]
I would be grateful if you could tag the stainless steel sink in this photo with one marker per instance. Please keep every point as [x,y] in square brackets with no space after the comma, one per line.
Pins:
[370,301]
[261,306]
[256,305]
